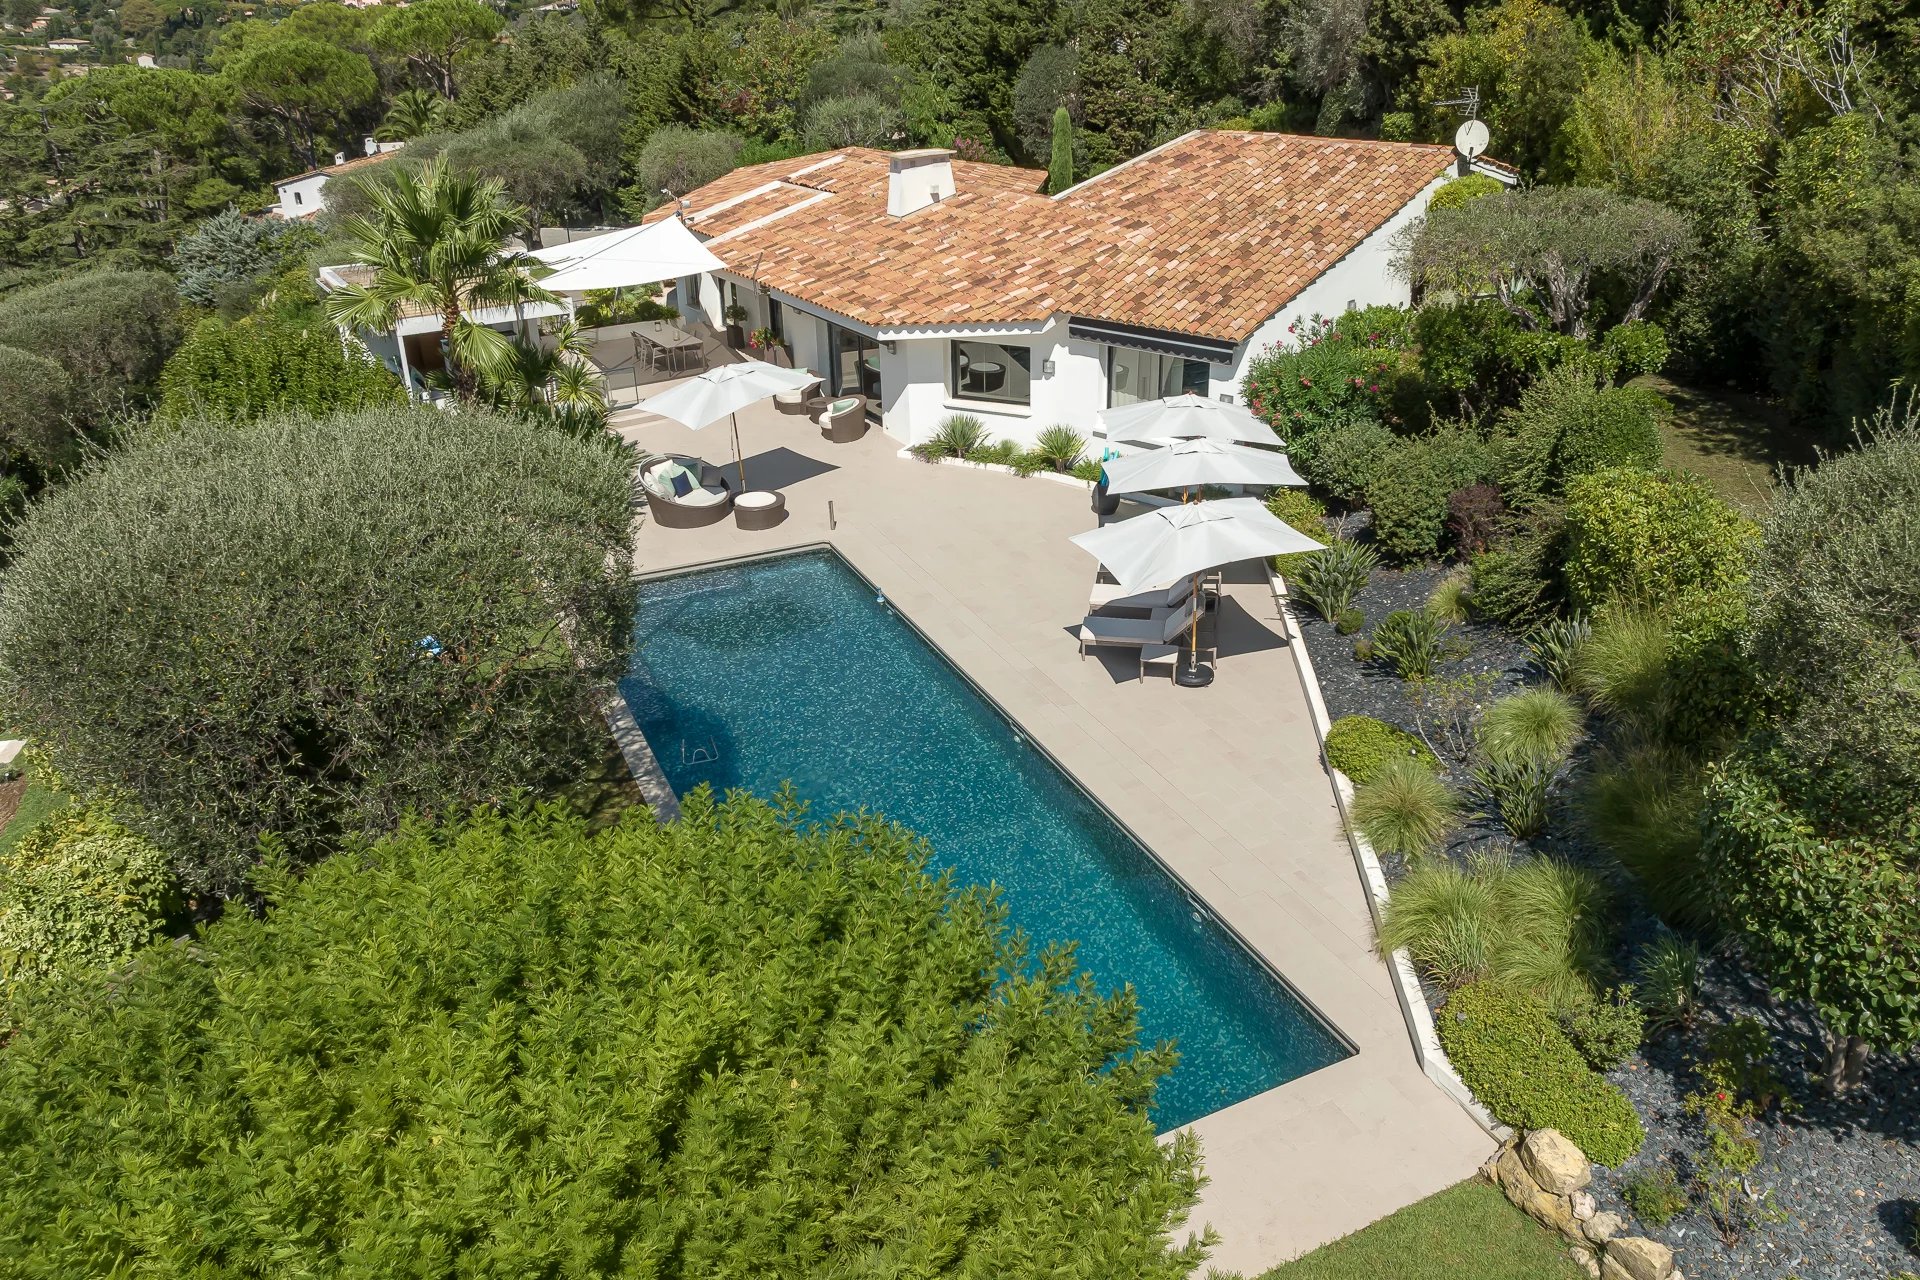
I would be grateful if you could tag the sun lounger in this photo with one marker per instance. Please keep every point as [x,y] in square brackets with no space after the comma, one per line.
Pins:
[1110,596]
[1162,627]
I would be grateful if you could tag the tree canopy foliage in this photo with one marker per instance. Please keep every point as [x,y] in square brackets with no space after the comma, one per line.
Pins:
[734,1045]
[302,628]
[109,330]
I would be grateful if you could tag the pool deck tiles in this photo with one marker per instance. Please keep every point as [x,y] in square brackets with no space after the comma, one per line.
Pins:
[1224,784]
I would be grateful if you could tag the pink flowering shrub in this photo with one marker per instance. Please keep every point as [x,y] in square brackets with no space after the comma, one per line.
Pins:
[1328,371]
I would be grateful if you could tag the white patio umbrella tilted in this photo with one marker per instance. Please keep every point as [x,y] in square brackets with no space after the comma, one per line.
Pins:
[1189,464]
[1185,541]
[722,392]
[1185,417]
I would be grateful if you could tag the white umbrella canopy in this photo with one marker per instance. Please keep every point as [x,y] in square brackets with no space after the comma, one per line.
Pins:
[1174,542]
[723,391]
[622,259]
[1188,464]
[1185,417]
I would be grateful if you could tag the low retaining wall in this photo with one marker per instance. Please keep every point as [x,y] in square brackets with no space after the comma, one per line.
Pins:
[1406,983]
[1056,476]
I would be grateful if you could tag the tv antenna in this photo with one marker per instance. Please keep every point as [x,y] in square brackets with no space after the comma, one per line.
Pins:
[1469,100]
[1471,138]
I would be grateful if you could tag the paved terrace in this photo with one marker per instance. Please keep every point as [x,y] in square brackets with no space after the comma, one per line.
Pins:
[1225,784]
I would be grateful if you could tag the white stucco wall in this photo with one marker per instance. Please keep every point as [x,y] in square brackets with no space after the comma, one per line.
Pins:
[310,200]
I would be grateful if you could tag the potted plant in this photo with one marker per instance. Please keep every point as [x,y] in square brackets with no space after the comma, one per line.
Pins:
[762,340]
[736,316]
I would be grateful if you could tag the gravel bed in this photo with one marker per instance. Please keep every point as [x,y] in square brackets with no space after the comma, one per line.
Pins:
[1844,1174]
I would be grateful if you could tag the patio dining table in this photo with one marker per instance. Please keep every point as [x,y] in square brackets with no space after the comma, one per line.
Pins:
[672,341]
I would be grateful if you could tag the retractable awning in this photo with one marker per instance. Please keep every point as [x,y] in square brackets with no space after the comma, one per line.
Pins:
[1164,341]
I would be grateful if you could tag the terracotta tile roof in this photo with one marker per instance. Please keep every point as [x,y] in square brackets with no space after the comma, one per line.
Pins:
[347,166]
[1208,235]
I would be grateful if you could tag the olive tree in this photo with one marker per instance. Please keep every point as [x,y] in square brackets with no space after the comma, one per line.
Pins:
[110,330]
[1543,251]
[303,628]
[741,1044]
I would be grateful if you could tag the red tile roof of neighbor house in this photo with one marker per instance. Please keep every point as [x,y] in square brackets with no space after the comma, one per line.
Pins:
[1209,235]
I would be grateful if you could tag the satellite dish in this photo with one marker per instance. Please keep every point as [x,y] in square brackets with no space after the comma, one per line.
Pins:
[1470,139]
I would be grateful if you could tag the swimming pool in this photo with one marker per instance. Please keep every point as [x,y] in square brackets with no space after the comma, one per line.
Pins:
[751,674]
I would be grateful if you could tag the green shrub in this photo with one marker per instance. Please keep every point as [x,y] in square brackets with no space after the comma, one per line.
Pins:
[1475,357]
[1517,791]
[78,889]
[1631,349]
[1509,1050]
[1405,808]
[1519,582]
[959,436]
[1669,990]
[1620,429]
[528,1049]
[1565,426]
[1330,579]
[1302,512]
[1539,925]
[1652,537]
[36,405]
[1087,469]
[1411,490]
[221,261]
[1530,724]
[1343,457]
[110,330]
[1349,621]
[1318,376]
[259,367]
[1466,188]
[1644,808]
[1062,447]
[1656,1198]
[1359,745]
[1412,642]
[1607,1029]
[307,628]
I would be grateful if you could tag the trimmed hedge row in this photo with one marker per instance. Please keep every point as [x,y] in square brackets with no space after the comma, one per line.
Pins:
[1511,1052]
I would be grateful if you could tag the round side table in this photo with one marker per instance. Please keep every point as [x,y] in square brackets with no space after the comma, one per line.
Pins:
[759,509]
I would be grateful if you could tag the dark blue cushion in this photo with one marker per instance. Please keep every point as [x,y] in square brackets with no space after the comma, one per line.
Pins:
[682,484]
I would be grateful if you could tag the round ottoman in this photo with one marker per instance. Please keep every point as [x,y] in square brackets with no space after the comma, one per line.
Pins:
[759,509]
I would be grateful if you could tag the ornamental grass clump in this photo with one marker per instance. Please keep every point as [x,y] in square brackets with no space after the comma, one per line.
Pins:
[1406,808]
[1529,725]
[1410,641]
[1059,447]
[1644,806]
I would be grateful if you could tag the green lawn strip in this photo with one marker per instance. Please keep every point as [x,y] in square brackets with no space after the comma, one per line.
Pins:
[1731,440]
[35,805]
[1467,1232]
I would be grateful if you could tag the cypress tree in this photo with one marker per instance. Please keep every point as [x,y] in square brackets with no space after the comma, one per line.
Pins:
[1060,166]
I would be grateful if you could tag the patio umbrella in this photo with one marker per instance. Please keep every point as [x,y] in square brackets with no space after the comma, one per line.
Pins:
[1188,464]
[723,391]
[663,250]
[1184,541]
[1185,417]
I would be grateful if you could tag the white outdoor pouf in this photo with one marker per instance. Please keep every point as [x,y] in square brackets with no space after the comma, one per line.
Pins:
[759,509]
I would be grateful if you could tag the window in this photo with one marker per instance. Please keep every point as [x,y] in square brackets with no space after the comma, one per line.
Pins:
[1133,376]
[297,199]
[989,371]
[777,320]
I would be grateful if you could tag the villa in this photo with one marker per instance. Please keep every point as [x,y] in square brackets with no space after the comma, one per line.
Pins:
[300,196]
[933,285]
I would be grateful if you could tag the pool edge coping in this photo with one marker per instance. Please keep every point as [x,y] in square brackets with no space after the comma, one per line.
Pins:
[1193,896]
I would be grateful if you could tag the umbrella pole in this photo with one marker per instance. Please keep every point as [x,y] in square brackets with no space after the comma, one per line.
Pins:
[738,459]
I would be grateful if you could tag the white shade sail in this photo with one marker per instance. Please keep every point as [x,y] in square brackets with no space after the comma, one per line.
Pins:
[725,390]
[1185,417]
[1173,542]
[663,250]
[1188,464]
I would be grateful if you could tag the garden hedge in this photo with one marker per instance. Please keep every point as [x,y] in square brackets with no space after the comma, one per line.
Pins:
[1510,1050]
[1652,537]
[1358,745]
[742,1044]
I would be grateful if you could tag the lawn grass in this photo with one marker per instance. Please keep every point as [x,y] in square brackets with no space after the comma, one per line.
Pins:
[1731,440]
[1467,1232]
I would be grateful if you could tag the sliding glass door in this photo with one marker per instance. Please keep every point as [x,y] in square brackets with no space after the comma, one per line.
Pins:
[853,366]
[1134,375]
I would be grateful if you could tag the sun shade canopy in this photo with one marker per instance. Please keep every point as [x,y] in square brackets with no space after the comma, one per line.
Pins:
[725,390]
[663,250]
[1185,417]
[1173,542]
[1188,464]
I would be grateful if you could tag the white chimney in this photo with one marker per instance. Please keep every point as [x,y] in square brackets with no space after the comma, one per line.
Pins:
[916,179]
[373,148]
[339,157]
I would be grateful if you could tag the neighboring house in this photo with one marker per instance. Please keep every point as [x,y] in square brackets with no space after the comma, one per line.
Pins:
[300,195]
[411,350]
[66,44]
[937,286]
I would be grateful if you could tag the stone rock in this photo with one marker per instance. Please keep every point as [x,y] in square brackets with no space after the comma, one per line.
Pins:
[1636,1258]
[1602,1227]
[1551,1211]
[1586,1261]
[1511,1173]
[1583,1205]
[1556,1164]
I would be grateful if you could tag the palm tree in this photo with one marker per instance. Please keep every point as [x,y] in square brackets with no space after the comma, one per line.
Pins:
[556,384]
[415,112]
[433,244]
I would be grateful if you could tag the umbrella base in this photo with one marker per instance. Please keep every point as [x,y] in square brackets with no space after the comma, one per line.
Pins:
[1193,675]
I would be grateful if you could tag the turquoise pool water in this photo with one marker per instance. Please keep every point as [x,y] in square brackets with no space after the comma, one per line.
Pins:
[788,668]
